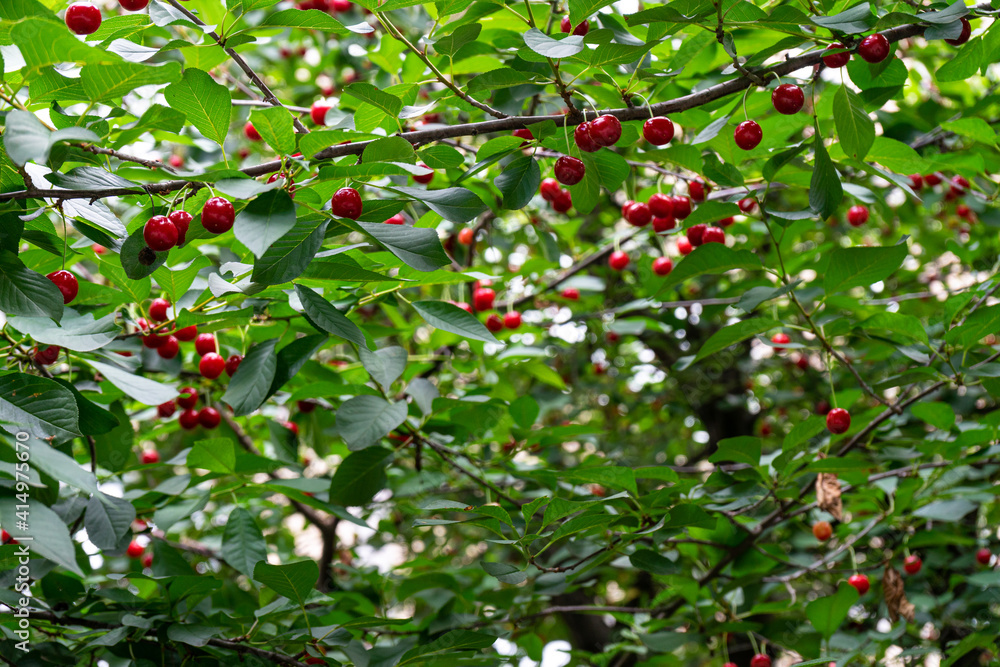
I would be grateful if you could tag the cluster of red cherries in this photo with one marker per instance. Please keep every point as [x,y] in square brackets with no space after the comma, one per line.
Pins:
[163,232]
[483,299]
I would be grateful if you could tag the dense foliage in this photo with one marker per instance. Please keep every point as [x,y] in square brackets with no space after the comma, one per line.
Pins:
[307,360]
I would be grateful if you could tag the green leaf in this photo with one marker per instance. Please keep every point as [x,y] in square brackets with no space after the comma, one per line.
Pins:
[143,390]
[855,267]
[709,258]
[543,45]
[385,365]
[505,572]
[418,247]
[827,613]
[449,317]
[464,34]
[937,414]
[441,157]
[311,19]
[974,128]
[385,102]
[825,190]
[134,245]
[497,79]
[855,20]
[450,642]
[248,389]
[243,544]
[26,292]
[289,256]
[206,104]
[359,477]
[49,535]
[80,333]
[364,420]
[734,333]
[108,520]
[452,204]
[43,406]
[741,449]
[519,182]
[964,63]
[525,411]
[855,129]
[276,128]
[325,317]
[951,511]
[27,140]
[215,455]
[294,580]
[390,149]
[265,220]
[106,82]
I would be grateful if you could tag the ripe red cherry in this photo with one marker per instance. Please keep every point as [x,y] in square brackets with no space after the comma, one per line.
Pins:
[916,182]
[483,298]
[421,178]
[67,284]
[563,201]
[305,407]
[5,538]
[158,310]
[834,60]
[661,225]
[963,36]
[147,560]
[581,29]
[788,99]
[932,179]
[618,260]
[211,365]
[658,130]
[874,48]
[857,215]
[188,419]
[780,339]
[963,211]
[661,205]
[47,356]
[466,236]
[662,266]
[760,660]
[83,19]
[346,203]
[512,320]
[959,184]
[584,139]
[838,420]
[682,207]
[204,344]
[166,410]
[169,348]
[606,130]
[159,233]
[464,306]
[684,246]
[134,549]
[860,582]
[187,333]
[524,133]
[698,190]
[209,417]
[291,426]
[397,219]
[150,456]
[725,222]
[729,664]
[748,135]
[569,170]
[232,363]
[696,234]
[133,5]
[318,113]
[494,323]
[638,214]
[182,220]
[218,215]
[983,556]
[822,530]
[188,397]
[251,132]
[714,235]
[571,293]
[549,189]
[747,205]
[912,564]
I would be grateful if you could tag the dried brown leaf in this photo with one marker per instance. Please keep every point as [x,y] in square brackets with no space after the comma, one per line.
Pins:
[828,495]
[895,596]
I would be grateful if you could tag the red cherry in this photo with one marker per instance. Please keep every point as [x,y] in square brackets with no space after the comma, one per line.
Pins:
[963,36]
[233,363]
[729,664]
[169,348]
[291,426]
[569,170]
[584,139]
[662,266]
[5,538]
[606,130]
[464,306]
[788,99]
[748,135]
[187,333]
[166,410]
[822,530]
[134,549]
[661,225]
[251,132]
[466,236]
[188,397]
[874,48]
[725,222]
[760,660]
[834,60]
[684,246]
[912,564]
[158,310]
[47,356]
[153,341]
[424,178]
[133,5]
[661,205]
[780,339]
[682,207]
[714,235]
[176,161]
[98,248]
[204,344]
[581,29]
[916,182]
[857,215]
[524,133]
[549,189]
[182,220]
[305,407]
[696,234]
[963,211]
[512,320]
[983,556]
[959,184]
[638,214]
[218,215]
[494,323]
[83,19]
[67,284]
[188,420]
[159,233]
[618,260]
[147,560]
[346,203]
[150,456]
[698,190]
[211,365]
[658,130]
[860,582]
[209,417]
[571,293]
[932,179]
[563,201]
[397,219]
[747,205]
[483,298]
[838,420]
[802,362]
[318,113]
